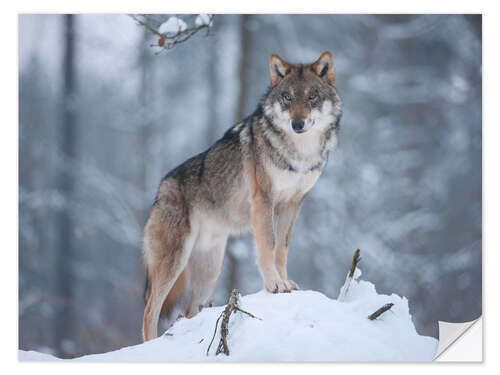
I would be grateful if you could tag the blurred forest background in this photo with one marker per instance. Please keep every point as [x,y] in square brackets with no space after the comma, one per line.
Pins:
[102,119]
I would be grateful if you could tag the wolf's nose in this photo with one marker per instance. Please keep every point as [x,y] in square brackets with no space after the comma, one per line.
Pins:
[298,126]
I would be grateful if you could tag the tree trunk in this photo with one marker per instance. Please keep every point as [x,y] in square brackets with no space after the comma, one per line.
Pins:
[145,128]
[65,319]
[211,129]
[244,72]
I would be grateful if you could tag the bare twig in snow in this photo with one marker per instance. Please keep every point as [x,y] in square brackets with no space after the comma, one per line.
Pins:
[230,308]
[380,311]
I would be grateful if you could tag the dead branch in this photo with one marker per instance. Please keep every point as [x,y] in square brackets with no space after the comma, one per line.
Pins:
[380,311]
[230,308]
[168,41]
[355,260]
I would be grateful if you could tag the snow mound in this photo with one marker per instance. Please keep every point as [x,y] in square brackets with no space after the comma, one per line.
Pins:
[172,26]
[297,326]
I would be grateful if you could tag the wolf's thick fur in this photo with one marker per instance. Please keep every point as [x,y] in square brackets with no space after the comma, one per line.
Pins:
[260,169]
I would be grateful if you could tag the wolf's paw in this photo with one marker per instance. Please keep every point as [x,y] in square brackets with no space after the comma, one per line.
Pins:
[281,286]
[292,285]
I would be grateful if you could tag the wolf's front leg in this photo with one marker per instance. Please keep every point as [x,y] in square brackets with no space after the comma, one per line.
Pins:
[287,214]
[262,219]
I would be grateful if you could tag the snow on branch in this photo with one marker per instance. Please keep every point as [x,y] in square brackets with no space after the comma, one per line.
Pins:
[350,275]
[174,30]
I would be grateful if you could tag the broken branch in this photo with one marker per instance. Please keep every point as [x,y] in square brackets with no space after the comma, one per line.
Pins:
[229,309]
[380,311]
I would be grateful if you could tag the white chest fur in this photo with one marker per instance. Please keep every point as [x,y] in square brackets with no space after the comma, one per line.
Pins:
[288,184]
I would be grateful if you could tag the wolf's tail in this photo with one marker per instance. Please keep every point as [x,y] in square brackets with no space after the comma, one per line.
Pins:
[147,290]
[176,293]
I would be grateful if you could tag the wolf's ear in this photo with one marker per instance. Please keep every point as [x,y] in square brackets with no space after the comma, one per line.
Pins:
[323,67]
[278,68]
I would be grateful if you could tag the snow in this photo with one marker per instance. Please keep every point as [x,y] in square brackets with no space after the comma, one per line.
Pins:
[36,356]
[202,19]
[172,26]
[297,326]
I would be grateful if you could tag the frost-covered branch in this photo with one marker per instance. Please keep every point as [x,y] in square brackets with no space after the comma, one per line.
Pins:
[174,30]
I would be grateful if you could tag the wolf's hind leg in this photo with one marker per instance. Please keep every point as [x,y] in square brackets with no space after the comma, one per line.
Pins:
[169,237]
[175,303]
[163,278]
[168,242]
[204,268]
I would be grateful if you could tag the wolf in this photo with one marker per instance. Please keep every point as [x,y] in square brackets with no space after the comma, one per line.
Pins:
[254,178]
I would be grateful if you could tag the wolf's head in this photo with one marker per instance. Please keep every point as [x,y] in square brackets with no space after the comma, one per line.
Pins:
[303,97]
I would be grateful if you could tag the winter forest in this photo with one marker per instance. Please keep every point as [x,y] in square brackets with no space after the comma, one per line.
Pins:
[105,113]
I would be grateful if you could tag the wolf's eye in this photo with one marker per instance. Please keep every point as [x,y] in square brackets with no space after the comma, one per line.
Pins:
[287,96]
[313,96]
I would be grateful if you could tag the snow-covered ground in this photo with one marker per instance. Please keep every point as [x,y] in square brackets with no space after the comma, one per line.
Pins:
[298,326]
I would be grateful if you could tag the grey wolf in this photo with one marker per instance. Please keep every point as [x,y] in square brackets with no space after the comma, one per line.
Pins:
[259,171]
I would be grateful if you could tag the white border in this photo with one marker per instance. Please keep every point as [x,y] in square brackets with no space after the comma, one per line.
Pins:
[491,184]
